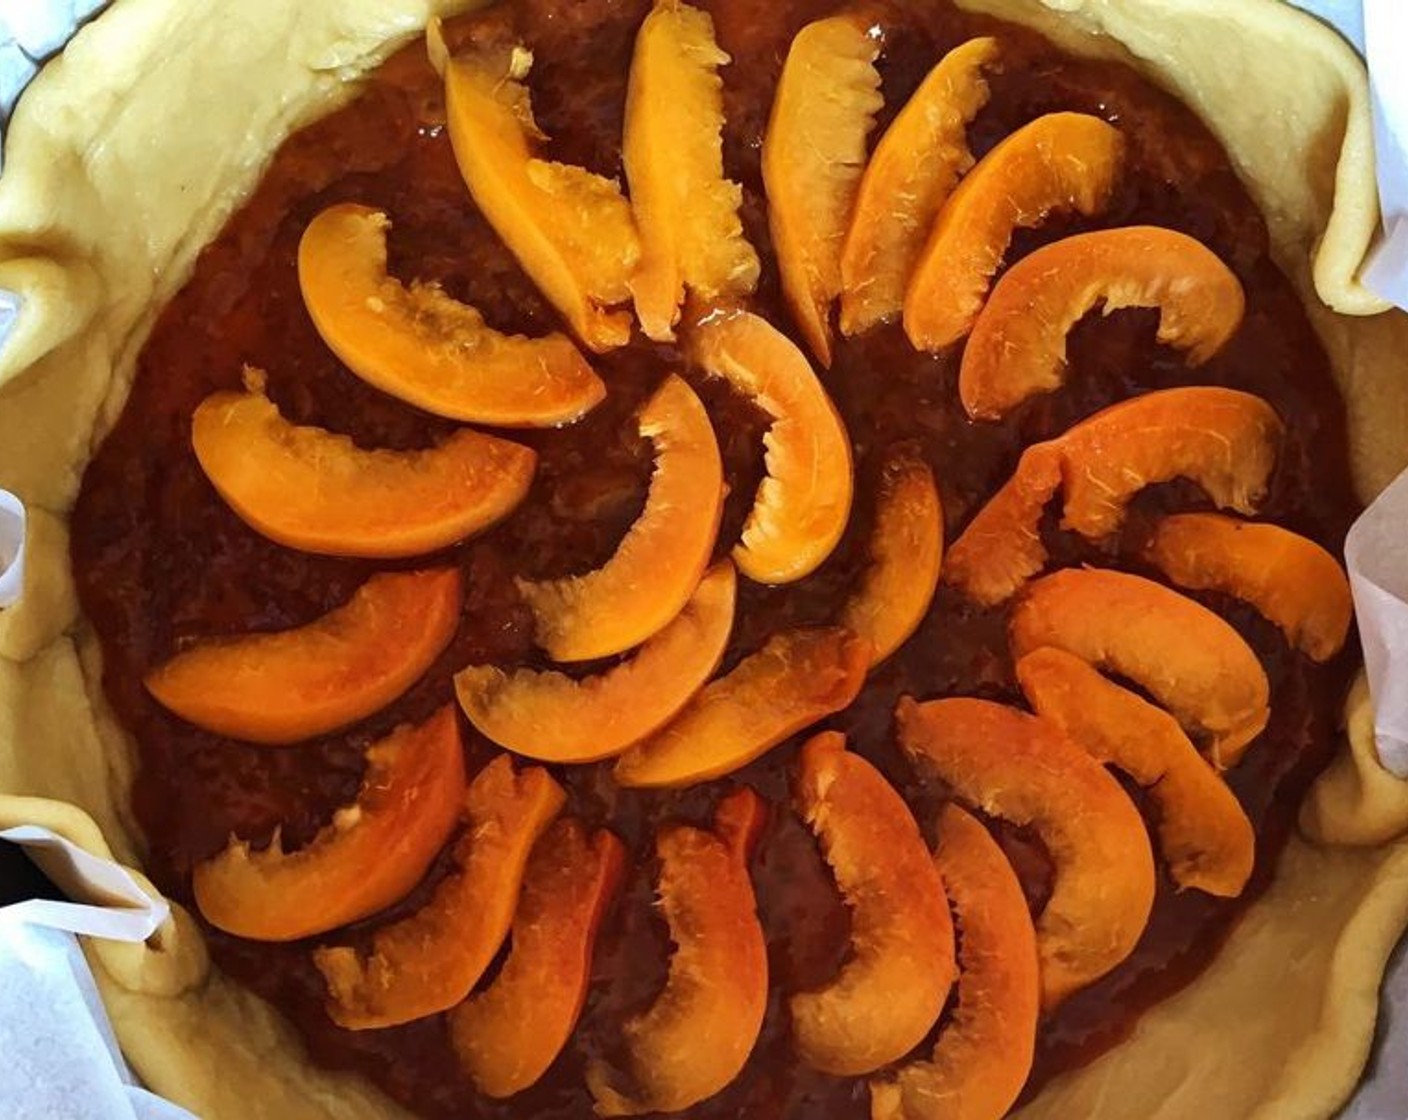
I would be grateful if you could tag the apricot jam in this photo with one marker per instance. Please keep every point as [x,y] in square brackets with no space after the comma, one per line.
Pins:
[160,560]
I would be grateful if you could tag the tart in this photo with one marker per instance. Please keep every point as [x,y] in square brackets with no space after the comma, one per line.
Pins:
[780,668]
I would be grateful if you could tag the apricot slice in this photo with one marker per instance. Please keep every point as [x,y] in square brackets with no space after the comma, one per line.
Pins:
[507,1036]
[291,685]
[914,168]
[550,716]
[1002,548]
[985,1049]
[804,501]
[686,210]
[369,856]
[906,553]
[318,492]
[662,557]
[572,231]
[1187,658]
[798,677]
[894,983]
[423,347]
[1018,345]
[430,960]
[1205,836]
[695,1037]
[1291,580]
[1059,162]
[1021,768]
[813,158]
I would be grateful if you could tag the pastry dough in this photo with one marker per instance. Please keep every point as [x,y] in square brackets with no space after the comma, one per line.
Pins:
[107,199]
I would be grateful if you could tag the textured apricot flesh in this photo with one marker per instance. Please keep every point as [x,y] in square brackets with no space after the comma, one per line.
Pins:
[421,346]
[912,171]
[1206,839]
[572,231]
[804,500]
[1018,344]
[430,960]
[1021,768]
[1292,581]
[984,1052]
[798,677]
[369,856]
[895,981]
[1059,162]
[691,235]
[695,1037]
[287,686]
[318,492]
[554,718]
[662,557]
[814,153]
[1187,658]
[507,1036]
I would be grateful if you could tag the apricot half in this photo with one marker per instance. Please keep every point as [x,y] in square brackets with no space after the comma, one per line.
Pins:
[1059,162]
[284,687]
[1018,345]
[985,1049]
[798,677]
[695,1037]
[550,716]
[369,856]
[1291,580]
[804,501]
[1021,768]
[662,557]
[813,158]
[507,1036]
[1187,658]
[687,212]
[912,171]
[318,492]
[572,231]
[1205,836]
[906,553]
[430,960]
[895,981]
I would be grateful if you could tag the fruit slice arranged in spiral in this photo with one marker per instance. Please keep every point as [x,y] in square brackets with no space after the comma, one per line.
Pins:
[1206,838]
[370,855]
[912,171]
[310,489]
[551,717]
[813,158]
[984,1052]
[288,686]
[507,1036]
[672,147]
[796,678]
[1059,162]
[1022,769]
[804,501]
[662,557]
[895,981]
[1018,344]
[1291,580]
[695,1037]
[425,348]
[430,960]
[1223,439]
[906,553]
[1187,658]
[572,231]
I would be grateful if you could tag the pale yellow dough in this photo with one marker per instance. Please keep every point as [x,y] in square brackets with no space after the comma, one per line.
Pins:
[128,154]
